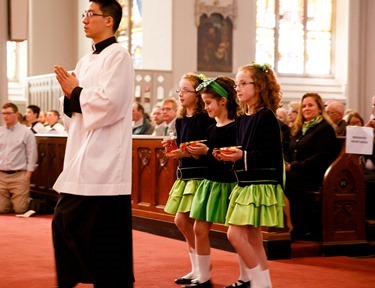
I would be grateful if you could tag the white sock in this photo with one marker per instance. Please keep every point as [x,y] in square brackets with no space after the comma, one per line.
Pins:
[204,263]
[194,266]
[255,274]
[267,278]
[243,275]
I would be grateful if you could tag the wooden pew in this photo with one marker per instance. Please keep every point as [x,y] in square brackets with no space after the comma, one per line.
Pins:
[51,152]
[339,207]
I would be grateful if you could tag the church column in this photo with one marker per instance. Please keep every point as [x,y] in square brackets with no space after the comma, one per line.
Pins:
[361,57]
[3,52]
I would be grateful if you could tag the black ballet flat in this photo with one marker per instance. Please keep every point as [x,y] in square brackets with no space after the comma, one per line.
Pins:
[182,280]
[239,284]
[206,284]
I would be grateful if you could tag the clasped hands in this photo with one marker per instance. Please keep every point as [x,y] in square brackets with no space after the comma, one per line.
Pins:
[68,81]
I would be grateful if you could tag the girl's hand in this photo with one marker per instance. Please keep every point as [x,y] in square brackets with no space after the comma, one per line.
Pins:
[165,142]
[230,155]
[197,149]
[179,153]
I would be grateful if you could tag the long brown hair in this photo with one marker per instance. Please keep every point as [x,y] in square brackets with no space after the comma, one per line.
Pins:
[269,90]
[195,81]
[297,127]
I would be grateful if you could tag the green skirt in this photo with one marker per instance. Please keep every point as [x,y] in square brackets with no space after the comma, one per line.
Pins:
[211,201]
[256,205]
[181,196]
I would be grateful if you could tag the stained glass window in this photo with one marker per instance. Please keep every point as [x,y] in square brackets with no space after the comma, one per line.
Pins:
[295,36]
[130,32]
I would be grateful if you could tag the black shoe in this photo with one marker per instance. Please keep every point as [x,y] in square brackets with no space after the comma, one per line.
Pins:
[206,284]
[182,280]
[239,284]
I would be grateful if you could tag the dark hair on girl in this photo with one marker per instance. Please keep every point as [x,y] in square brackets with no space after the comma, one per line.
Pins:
[228,85]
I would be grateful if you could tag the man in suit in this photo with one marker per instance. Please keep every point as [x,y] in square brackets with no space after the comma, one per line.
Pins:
[141,125]
[169,113]
[157,121]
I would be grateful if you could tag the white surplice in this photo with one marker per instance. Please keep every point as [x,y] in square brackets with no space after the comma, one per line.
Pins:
[98,155]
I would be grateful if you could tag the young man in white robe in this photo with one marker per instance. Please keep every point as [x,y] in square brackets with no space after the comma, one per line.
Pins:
[92,222]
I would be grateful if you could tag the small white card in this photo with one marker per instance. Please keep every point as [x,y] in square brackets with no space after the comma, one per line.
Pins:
[359,140]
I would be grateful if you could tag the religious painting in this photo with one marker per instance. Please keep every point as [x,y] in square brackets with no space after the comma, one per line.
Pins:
[215,43]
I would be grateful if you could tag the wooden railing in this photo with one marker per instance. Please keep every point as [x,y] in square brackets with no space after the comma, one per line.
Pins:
[152,176]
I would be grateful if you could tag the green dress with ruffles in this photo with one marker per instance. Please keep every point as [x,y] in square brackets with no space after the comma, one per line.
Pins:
[258,197]
[190,172]
[211,200]
[181,196]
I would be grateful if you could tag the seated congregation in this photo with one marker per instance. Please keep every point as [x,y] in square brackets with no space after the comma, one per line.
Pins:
[318,171]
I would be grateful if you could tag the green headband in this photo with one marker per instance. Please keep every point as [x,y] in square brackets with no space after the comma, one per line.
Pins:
[216,86]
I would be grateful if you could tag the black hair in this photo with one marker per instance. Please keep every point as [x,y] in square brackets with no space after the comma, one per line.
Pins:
[35,109]
[111,8]
[140,107]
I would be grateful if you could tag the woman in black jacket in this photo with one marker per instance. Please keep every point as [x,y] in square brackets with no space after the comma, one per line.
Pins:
[313,147]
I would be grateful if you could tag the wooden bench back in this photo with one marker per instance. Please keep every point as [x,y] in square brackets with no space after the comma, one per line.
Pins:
[343,200]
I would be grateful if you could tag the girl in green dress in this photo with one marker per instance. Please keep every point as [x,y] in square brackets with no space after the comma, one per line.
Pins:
[258,198]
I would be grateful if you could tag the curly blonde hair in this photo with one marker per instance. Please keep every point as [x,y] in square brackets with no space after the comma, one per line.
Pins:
[269,90]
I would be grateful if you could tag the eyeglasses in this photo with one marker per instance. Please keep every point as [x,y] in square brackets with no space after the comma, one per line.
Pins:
[91,14]
[241,84]
[178,91]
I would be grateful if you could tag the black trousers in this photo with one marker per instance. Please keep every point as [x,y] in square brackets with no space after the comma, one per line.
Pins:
[92,238]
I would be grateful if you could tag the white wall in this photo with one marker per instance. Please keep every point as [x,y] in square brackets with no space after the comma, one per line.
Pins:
[157,35]
[361,58]
[184,40]
[245,34]
[52,35]
[341,41]
[369,51]
[83,43]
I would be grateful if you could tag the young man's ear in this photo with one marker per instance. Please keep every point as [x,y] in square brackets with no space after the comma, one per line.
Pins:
[109,20]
